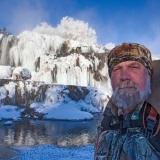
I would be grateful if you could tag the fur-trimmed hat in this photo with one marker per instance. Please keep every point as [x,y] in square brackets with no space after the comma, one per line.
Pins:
[130,51]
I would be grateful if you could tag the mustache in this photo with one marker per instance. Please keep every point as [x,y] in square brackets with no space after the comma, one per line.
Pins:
[126,98]
[127,85]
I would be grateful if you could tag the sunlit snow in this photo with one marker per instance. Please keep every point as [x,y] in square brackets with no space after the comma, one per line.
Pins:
[67,111]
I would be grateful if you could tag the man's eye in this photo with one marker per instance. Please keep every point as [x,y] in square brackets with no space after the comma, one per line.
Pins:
[135,67]
[115,69]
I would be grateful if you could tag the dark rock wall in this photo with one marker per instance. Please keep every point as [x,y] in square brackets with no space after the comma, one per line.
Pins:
[28,92]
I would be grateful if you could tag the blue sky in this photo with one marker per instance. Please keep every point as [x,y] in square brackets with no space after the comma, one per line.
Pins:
[115,21]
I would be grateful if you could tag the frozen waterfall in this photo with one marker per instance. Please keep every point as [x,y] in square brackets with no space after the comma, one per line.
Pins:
[52,59]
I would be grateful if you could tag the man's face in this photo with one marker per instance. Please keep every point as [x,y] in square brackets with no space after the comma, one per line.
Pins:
[133,71]
[130,82]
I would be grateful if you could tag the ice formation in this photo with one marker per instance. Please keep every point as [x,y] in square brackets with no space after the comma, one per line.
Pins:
[52,59]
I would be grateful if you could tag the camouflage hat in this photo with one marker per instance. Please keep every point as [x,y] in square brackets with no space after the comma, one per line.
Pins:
[129,52]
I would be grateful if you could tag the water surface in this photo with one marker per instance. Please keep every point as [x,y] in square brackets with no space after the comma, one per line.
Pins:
[60,133]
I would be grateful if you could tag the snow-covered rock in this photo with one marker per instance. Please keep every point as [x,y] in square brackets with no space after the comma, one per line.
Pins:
[50,101]
[21,73]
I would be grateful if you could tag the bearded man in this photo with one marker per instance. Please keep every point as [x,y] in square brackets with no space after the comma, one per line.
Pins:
[130,126]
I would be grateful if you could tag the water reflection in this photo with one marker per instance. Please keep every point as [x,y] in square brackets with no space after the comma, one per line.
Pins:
[61,133]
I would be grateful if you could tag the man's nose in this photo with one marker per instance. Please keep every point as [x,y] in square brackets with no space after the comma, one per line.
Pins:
[125,75]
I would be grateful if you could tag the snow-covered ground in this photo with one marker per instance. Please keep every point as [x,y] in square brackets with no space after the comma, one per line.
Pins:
[50,152]
[58,107]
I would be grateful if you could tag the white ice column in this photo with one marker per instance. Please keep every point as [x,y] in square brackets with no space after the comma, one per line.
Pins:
[84,78]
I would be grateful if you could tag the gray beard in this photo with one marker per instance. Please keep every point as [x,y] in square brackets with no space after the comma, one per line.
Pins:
[130,98]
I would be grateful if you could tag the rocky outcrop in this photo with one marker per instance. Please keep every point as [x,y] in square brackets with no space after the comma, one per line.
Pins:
[24,93]
[77,93]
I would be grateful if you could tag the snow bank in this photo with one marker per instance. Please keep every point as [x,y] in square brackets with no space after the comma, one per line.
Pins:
[63,111]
